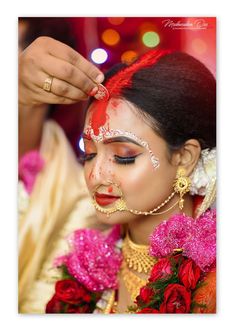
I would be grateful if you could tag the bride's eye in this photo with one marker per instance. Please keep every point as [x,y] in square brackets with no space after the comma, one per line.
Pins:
[88,157]
[125,160]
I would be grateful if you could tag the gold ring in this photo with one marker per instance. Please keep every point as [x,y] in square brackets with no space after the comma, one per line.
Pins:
[47,85]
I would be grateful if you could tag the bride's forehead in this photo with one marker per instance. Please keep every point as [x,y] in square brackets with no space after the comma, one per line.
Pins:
[118,112]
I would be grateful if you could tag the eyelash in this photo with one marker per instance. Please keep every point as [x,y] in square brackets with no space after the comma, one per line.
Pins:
[125,160]
[118,159]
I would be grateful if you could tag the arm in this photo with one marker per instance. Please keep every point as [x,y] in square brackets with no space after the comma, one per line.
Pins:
[30,125]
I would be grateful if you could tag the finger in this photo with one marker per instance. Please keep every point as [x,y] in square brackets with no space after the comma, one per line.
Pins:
[89,69]
[64,89]
[54,99]
[44,97]
[38,95]
[64,71]
[66,53]
[58,88]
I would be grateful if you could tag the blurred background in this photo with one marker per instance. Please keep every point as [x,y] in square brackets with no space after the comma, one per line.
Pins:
[106,41]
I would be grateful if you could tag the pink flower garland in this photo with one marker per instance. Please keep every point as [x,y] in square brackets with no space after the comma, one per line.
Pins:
[197,238]
[30,165]
[94,260]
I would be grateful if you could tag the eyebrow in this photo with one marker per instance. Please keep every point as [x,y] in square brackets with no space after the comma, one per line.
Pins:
[115,139]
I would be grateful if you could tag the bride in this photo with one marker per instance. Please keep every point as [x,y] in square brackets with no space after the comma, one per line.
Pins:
[149,166]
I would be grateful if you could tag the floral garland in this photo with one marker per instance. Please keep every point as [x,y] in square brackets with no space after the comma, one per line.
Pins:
[204,172]
[30,164]
[171,287]
[90,269]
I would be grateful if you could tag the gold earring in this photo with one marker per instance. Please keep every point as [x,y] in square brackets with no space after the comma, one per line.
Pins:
[181,185]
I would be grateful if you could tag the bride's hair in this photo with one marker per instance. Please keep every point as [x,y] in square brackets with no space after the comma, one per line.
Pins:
[176,94]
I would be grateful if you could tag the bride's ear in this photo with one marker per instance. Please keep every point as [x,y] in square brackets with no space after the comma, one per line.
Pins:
[187,156]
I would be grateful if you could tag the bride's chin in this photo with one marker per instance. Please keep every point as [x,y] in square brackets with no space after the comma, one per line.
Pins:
[114,218]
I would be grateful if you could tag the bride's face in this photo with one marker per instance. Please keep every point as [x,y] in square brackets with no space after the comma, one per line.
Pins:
[128,156]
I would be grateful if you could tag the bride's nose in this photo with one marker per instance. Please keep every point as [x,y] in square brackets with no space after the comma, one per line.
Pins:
[101,171]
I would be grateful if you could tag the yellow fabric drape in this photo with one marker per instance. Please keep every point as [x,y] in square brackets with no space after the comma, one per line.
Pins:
[58,205]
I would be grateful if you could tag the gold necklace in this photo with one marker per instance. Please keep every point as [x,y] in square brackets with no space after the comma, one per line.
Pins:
[132,282]
[137,256]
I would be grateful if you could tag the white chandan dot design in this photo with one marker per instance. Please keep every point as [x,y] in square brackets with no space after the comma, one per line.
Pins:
[107,134]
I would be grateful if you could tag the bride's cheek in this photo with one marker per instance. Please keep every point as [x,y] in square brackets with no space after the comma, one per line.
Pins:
[132,182]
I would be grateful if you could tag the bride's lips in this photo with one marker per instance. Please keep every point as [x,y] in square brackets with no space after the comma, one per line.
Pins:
[105,199]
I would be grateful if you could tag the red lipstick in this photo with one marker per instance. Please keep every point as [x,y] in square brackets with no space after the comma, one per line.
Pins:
[105,199]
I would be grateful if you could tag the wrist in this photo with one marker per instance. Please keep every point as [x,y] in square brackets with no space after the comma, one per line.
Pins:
[29,111]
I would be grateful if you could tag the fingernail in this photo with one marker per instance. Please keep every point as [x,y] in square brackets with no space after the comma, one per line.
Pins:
[99,78]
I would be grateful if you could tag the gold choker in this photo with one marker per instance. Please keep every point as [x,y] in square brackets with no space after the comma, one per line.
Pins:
[137,256]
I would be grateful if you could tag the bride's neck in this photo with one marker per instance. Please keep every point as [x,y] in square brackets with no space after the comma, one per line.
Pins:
[141,229]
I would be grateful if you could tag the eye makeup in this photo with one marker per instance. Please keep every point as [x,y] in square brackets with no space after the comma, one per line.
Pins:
[108,136]
[118,159]
[125,160]
[123,150]
[122,154]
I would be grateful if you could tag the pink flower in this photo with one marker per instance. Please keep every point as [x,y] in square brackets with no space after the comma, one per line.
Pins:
[94,261]
[170,235]
[201,243]
[29,166]
[197,238]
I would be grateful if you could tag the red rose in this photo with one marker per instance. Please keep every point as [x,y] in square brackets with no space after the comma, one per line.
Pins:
[148,310]
[84,309]
[87,298]
[177,299]
[161,269]
[189,273]
[54,305]
[69,291]
[146,294]
[78,309]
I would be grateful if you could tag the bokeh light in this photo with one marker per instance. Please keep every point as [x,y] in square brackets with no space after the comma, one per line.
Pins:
[199,46]
[110,37]
[99,56]
[116,20]
[81,144]
[129,56]
[147,26]
[151,39]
